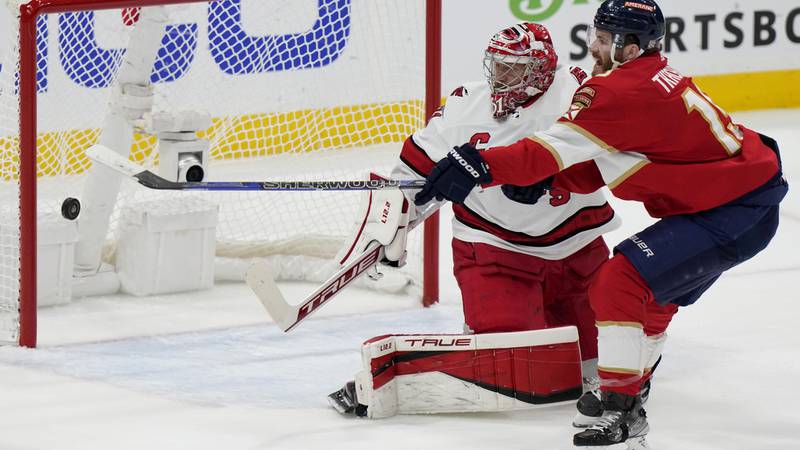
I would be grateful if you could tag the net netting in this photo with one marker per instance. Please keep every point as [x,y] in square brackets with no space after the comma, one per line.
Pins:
[296,89]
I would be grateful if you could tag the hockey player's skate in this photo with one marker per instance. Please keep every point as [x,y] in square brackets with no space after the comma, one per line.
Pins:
[590,407]
[623,422]
[345,401]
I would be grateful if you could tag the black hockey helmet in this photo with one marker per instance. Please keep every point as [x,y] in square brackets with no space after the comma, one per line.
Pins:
[641,18]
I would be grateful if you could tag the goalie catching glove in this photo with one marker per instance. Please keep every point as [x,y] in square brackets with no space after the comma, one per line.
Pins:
[383,217]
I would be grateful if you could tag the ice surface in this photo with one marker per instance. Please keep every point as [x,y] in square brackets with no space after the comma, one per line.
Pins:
[208,371]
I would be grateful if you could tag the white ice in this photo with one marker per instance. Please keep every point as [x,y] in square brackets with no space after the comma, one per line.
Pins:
[208,370]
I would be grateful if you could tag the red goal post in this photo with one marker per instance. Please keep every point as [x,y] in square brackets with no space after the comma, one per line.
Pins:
[28,134]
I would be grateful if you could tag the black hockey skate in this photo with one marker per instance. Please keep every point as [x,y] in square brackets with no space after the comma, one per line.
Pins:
[590,407]
[623,422]
[345,401]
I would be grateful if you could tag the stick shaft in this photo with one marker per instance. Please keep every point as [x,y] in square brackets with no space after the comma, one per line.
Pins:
[109,158]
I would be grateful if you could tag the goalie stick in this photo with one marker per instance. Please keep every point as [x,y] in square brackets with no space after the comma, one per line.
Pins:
[262,281]
[113,160]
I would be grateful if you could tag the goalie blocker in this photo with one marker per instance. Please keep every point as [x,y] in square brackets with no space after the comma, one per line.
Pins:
[427,373]
[384,217]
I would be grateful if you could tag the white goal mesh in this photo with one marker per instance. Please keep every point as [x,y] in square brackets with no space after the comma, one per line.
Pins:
[296,89]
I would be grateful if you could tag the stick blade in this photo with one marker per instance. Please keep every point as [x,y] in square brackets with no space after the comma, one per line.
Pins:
[113,160]
[262,281]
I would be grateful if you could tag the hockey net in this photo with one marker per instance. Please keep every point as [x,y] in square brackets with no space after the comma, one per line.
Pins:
[294,89]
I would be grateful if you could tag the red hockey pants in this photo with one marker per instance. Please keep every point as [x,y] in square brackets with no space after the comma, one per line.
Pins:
[505,291]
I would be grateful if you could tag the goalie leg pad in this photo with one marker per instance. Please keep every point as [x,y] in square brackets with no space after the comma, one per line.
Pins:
[424,374]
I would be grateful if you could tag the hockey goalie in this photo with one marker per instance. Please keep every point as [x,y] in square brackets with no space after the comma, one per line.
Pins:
[522,255]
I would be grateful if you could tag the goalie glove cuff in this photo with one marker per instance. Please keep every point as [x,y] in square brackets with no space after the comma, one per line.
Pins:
[395,252]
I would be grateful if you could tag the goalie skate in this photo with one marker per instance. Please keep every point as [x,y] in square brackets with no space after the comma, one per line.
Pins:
[345,401]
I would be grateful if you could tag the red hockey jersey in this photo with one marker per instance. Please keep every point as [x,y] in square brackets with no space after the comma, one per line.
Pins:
[654,137]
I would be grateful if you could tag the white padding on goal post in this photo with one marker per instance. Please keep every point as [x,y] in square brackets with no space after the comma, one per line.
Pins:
[424,374]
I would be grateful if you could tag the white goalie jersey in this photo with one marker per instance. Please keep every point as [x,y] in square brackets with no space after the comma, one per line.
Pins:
[554,227]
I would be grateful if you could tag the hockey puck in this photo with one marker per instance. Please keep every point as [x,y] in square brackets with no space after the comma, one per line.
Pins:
[70,208]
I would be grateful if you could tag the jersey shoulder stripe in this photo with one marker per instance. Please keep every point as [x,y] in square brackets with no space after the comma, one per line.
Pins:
[416,158]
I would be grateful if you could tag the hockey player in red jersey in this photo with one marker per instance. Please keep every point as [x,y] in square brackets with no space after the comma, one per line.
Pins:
[522,262]
[715,185]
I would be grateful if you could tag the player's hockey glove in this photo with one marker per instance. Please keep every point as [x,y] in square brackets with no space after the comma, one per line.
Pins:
[528,195]
[454,177]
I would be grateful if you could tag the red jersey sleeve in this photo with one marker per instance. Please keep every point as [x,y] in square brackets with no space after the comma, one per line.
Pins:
[581,178]
[564,144]
[655,137]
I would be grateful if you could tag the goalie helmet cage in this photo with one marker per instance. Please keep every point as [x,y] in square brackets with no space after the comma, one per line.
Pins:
[29,81]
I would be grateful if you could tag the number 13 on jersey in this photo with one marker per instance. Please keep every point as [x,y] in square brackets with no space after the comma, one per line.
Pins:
[719,122]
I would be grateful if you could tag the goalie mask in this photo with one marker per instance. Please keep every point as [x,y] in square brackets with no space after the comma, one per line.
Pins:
[520,63]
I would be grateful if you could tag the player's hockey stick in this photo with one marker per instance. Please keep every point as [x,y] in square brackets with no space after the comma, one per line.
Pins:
[262,281]
[113,160]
